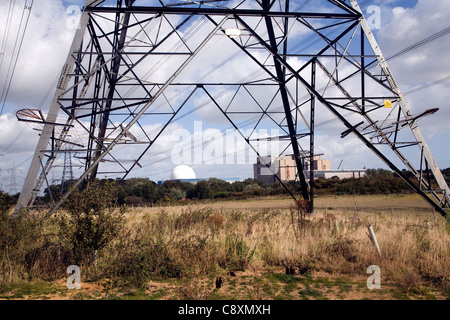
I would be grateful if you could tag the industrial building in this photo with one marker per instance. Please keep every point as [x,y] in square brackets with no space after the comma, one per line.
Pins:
[267,168]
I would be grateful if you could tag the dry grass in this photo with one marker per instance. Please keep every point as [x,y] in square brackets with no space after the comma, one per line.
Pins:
[177,252]
[411,255]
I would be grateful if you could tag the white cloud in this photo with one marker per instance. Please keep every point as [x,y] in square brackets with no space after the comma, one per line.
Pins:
[44,51]
[423,65]
[411,25]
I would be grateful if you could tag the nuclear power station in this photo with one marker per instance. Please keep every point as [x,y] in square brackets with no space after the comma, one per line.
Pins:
[283,168]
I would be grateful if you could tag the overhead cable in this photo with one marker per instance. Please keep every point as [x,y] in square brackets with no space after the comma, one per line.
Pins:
[15,56]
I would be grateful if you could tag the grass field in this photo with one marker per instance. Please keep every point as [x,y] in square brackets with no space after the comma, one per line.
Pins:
[262,250]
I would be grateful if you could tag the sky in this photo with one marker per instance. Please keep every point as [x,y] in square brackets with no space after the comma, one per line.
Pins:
[50,32]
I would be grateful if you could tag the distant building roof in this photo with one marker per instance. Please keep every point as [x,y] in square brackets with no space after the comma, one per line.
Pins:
[182,172]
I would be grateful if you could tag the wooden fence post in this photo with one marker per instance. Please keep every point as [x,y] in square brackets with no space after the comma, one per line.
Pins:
[427,225]
[336,226]
[374,238]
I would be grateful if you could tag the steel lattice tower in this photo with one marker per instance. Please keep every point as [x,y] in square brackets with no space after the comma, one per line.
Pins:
[131,64]
[13,183]
[67,175]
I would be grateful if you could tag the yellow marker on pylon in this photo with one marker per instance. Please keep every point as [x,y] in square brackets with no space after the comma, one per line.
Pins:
[387,103]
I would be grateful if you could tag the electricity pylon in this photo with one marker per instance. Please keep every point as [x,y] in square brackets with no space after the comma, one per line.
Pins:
[13,182]
[134,65]
[67,175]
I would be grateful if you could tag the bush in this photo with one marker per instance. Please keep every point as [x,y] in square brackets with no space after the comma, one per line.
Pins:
[17,237]
[189,217]
[134,201]
[238,254]
[220,195]
[136,261]
[196,254]
[252,187]
[91,222]
[48,261]
[176,194]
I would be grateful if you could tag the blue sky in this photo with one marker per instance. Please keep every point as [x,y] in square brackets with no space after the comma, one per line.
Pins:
[402,24]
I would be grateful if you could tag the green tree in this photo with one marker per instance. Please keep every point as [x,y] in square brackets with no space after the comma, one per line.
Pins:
[143,188]
[218,185]
[201,190]
[176,194]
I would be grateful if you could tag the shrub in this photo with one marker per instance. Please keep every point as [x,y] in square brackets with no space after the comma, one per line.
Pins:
[196,254]
[237,254]
[220,195]
[48,261]
[17,236]
[176,194]
[190,217]
[134,201]
[135,262]
[91,222]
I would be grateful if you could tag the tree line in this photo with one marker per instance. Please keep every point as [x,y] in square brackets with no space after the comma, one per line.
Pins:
[143,191]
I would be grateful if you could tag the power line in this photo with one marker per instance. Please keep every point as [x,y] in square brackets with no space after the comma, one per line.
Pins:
[12,4]
[428,85]
[418,44]
[15,56]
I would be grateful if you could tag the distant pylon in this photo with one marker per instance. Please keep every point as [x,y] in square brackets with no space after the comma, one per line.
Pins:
[67,175]
[13,184]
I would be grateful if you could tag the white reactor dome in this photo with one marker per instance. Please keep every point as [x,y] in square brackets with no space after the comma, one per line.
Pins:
[182,172]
